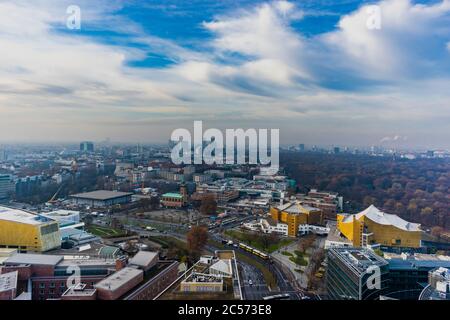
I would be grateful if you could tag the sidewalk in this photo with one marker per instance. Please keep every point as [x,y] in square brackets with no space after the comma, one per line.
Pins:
[300,278]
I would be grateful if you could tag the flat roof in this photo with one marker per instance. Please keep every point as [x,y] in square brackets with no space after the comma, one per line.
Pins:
[87,262]
[20,216]
[358,259]
[101,195]
[61,213]
[118,279]
[8,281]
[6,252]
[144,258]
[79,291]
[172,195]
[39,259]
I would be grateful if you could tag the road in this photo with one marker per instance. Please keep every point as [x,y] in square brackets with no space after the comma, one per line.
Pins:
[258,289]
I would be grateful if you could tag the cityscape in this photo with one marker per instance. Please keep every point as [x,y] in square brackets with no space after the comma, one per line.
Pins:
[101,221]
[225,158]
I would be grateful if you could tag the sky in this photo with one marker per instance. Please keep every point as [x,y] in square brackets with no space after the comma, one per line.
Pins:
[345,72]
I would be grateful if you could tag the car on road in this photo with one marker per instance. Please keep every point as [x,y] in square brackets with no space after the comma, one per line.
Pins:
[250,282]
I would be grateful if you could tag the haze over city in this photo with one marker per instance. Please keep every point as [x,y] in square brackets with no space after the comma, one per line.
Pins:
[136,70]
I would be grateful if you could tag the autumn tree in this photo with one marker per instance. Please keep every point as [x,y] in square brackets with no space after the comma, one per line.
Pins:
[208,205]
[197,238]
[437,231]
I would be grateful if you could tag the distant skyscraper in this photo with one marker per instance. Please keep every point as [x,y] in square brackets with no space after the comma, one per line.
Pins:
[301,147]
[336,150]
[7,186]
[87,146]
[3,155]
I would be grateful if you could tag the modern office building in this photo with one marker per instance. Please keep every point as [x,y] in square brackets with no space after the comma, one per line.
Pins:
[7,186]
[438,287]
[101,198]
[295,214]
[409,273]
[374,227]
[87,146]
[356,274]
[27,232]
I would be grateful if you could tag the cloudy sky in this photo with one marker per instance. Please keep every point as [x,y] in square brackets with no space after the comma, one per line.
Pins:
[319,70]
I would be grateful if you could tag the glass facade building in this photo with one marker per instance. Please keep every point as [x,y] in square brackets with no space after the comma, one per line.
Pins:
[356,274]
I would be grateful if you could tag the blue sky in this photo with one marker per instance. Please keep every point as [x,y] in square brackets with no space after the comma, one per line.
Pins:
[313,68]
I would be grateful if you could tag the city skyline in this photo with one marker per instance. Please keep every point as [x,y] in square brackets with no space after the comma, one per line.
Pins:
[136,71]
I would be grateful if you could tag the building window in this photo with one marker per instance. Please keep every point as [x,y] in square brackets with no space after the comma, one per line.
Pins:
[42,285]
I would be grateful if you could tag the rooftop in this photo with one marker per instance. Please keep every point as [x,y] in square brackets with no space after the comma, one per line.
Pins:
[172,195]
[223,266]
[118,279]
[78,291]
[296,207]
[203,278]
[101,195]
[144,258]
[86,261]
[61,214]
[8,281]
[39,259]
[19,216]
[380,217]
[358,259]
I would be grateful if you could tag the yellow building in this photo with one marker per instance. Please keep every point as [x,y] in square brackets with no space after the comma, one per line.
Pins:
[373,226]
[295,214]
[27,232]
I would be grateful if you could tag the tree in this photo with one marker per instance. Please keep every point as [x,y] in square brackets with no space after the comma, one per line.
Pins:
[265,241]
[197,238]
[437,231]
[208,205]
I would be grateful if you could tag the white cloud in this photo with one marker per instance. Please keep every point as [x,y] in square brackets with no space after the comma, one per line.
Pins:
[258,71]
[408,44]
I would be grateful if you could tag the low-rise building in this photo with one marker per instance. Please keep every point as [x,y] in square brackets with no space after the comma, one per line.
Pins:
[8,285]
[200,282]
[49,275]
[101,198]
[145,260]
[119,283]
